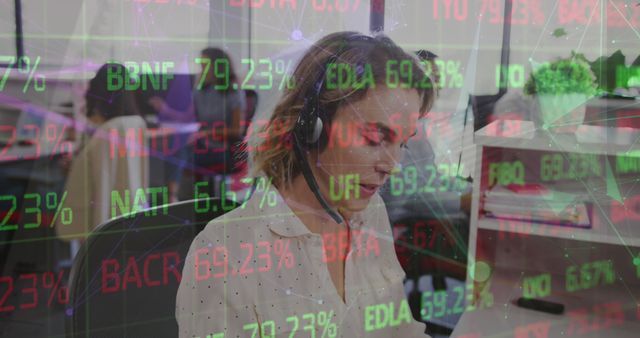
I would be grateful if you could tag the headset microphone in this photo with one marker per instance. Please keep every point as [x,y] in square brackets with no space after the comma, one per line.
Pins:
[311,182]
[309,132]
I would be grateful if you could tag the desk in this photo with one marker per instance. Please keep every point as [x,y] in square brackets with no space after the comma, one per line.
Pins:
[598,316]
[599,165]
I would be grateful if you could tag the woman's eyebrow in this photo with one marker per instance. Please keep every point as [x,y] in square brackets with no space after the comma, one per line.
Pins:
[386,130]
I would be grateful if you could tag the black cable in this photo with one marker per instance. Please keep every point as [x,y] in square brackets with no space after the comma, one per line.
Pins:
[311,181]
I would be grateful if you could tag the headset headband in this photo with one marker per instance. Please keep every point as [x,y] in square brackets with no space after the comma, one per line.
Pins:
[309,126]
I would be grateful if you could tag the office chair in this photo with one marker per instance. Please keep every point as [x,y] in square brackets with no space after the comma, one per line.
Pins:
[125,278]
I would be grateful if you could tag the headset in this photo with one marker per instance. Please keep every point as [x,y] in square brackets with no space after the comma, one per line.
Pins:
[309,133]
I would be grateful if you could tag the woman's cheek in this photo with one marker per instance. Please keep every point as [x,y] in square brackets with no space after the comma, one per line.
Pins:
[362,158]
[358,139]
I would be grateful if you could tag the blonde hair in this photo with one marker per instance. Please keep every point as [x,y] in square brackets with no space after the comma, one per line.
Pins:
[274,154]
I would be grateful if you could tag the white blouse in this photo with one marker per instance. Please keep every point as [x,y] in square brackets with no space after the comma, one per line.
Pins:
[257,271]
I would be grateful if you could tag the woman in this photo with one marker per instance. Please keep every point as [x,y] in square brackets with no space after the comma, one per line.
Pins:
[297,258]
[113,160]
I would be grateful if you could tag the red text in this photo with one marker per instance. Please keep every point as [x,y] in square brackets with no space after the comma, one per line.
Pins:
[335,245]
[115,279]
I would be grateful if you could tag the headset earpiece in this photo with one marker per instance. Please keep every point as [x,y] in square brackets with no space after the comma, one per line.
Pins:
[316,131]
[309,126]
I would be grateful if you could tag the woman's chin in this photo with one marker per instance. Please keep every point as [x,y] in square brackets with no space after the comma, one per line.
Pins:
[355,205]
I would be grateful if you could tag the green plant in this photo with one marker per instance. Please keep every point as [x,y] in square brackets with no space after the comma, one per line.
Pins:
[564,76]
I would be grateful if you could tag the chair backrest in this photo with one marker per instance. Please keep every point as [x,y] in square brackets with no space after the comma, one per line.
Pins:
[125,278]
[115,162]
[251,97]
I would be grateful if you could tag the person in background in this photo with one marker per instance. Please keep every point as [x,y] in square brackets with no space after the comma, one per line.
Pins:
[108,161]
[340,257]
[218,105]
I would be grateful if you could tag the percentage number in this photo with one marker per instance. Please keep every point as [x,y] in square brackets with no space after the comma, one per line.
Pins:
[400,74]
[57,139]
[311,322]
[52,204]
[263,187]
[583,321]
[23,66]
[281,248]
[49,281]
[571,166]
[33,206]
[267,194]
[523,12]
[265,74]
[450,76]
[207,259]
[53,284]
[434,304]
[282,70]
[589,275]
[11,132]
[440,178]
[324,320]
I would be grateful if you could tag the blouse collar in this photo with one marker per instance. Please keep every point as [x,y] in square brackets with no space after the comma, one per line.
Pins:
[284,221]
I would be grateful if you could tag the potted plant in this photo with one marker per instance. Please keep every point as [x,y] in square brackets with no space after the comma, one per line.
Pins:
[561,87]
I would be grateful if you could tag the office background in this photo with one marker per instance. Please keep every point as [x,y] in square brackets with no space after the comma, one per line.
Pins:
[49,50]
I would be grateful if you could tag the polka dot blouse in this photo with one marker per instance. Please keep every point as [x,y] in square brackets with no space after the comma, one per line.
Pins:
[258,271]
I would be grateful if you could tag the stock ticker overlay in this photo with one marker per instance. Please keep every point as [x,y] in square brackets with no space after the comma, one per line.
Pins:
[320,168]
